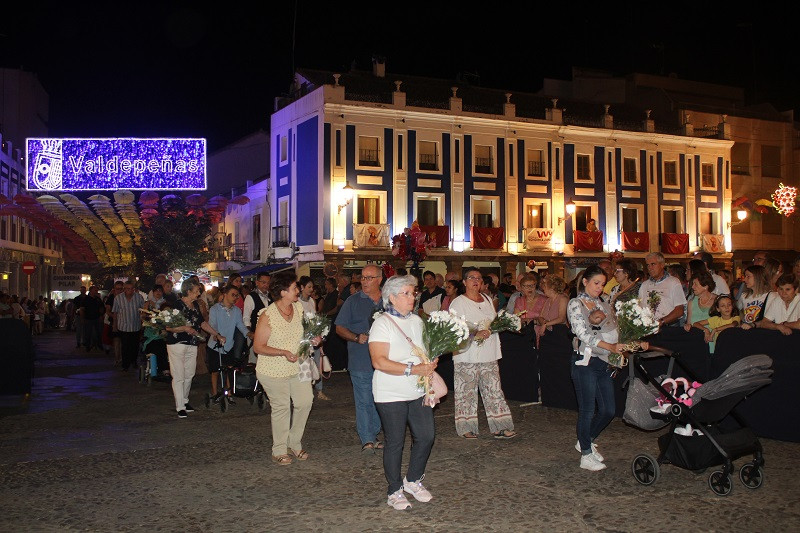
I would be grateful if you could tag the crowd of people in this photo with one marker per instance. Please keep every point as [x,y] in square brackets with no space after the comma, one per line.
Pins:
[380,320]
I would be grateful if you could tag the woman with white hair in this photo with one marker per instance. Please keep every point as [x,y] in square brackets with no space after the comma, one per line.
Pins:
[394,339]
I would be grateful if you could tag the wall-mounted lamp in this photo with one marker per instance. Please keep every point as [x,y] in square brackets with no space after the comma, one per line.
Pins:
[570,209]
[741,215]
[345,196]
[341,116]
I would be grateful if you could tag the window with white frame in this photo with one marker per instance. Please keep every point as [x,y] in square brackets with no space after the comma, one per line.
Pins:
[484,164]
[536,213]
[631,217]
[583,168]
[707,176]
[671,219]
[629,175]
[671,174]
[428,155]
[369,207]
[284,149]
[368,151]
[584,212]
[708,221]
[429,209]
[484,211]
[535,162]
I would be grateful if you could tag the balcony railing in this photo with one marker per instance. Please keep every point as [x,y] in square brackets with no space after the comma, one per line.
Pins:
[535,168]
[483,165]
[428,162]
[368,158]
[706,131]
[230,252]
[281,236]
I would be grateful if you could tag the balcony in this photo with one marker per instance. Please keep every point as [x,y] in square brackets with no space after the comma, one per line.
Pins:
[483,165]
[535,168]
[224,250]
[428,162]
[368,158]
[281,236]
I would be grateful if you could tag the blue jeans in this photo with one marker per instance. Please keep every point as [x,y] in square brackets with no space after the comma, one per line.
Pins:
[395,416]
[368,423]
[317,356]
[593,385]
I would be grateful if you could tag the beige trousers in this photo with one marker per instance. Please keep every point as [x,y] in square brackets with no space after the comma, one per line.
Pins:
[290,401]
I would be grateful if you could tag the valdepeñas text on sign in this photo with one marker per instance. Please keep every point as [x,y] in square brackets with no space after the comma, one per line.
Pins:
[110,164]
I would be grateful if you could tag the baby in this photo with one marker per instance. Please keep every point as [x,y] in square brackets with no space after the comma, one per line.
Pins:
[607,329]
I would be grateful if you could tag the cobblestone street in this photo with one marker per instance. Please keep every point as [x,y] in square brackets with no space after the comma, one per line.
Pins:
[92,449]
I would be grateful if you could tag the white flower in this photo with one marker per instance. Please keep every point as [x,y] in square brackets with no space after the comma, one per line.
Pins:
[154,321]
[175,311]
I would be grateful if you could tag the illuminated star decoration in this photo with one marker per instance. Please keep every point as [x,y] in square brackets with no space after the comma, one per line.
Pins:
[783,199]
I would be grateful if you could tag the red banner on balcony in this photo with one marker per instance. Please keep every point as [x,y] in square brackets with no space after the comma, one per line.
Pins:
[438,234]
[675,243]
[635,241]
[487,238]
[588,241]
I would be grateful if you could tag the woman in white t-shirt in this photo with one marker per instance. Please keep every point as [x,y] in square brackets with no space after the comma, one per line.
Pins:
[754,296]
[398,398]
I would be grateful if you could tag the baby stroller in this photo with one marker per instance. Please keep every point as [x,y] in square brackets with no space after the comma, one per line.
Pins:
[697,438]
[237,376]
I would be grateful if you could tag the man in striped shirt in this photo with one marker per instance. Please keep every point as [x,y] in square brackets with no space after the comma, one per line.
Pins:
[128,322]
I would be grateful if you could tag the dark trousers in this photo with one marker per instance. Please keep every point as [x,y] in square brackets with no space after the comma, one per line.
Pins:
[395,416]
[92,332]
[593,385]
[130,347]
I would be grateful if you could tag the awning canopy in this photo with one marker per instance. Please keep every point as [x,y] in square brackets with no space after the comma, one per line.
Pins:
[271,268]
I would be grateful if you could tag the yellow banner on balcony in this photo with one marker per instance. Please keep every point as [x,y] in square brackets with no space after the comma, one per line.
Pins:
[370,235]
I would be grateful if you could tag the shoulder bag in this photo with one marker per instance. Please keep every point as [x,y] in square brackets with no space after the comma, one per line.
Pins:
[436,388]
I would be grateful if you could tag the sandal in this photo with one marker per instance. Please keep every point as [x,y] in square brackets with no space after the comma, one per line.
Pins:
[469,435]
[368,447]
[301,455]
[378,445]
[505,434]
[282,460]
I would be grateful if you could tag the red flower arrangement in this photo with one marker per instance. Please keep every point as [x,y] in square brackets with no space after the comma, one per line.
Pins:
[411,244]
[388,270]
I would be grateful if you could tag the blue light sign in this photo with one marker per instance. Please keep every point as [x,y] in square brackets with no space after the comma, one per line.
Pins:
[111,164]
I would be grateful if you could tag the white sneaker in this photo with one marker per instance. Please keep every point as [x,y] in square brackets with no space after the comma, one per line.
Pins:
[685,431]
[415,488]
[589,462]
[594,450]
[398,500]
[661,409]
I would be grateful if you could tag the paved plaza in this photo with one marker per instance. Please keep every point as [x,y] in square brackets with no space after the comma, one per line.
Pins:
[92,449]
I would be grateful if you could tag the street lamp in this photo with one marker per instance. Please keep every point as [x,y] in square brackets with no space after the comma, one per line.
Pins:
[345,196]
[570,209]
[741,215]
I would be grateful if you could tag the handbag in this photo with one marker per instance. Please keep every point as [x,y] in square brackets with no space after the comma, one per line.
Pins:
[438,387]
[307,371]
[324,365]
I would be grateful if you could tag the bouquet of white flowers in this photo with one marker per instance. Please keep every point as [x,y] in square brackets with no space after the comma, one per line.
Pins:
[442,332]
[166,318]
[504,321]
[314,325]
[634,323]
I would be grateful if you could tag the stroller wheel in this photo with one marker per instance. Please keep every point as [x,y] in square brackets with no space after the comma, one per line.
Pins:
[208,400]
[251,399]
[223,403]
[720,483]
[261,401]
[751,476]
[645,469]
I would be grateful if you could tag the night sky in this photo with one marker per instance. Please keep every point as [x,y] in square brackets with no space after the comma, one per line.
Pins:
[157,69]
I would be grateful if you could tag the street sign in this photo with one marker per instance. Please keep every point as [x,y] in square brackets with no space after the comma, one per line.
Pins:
[28,267]
[66,282]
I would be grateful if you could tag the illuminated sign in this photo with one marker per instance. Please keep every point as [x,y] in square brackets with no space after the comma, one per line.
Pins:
[111,164]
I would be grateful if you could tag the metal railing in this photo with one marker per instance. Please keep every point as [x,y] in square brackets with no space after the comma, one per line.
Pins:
[281,236]
[428,162]
[368,158]
[535,168]
[483,165]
